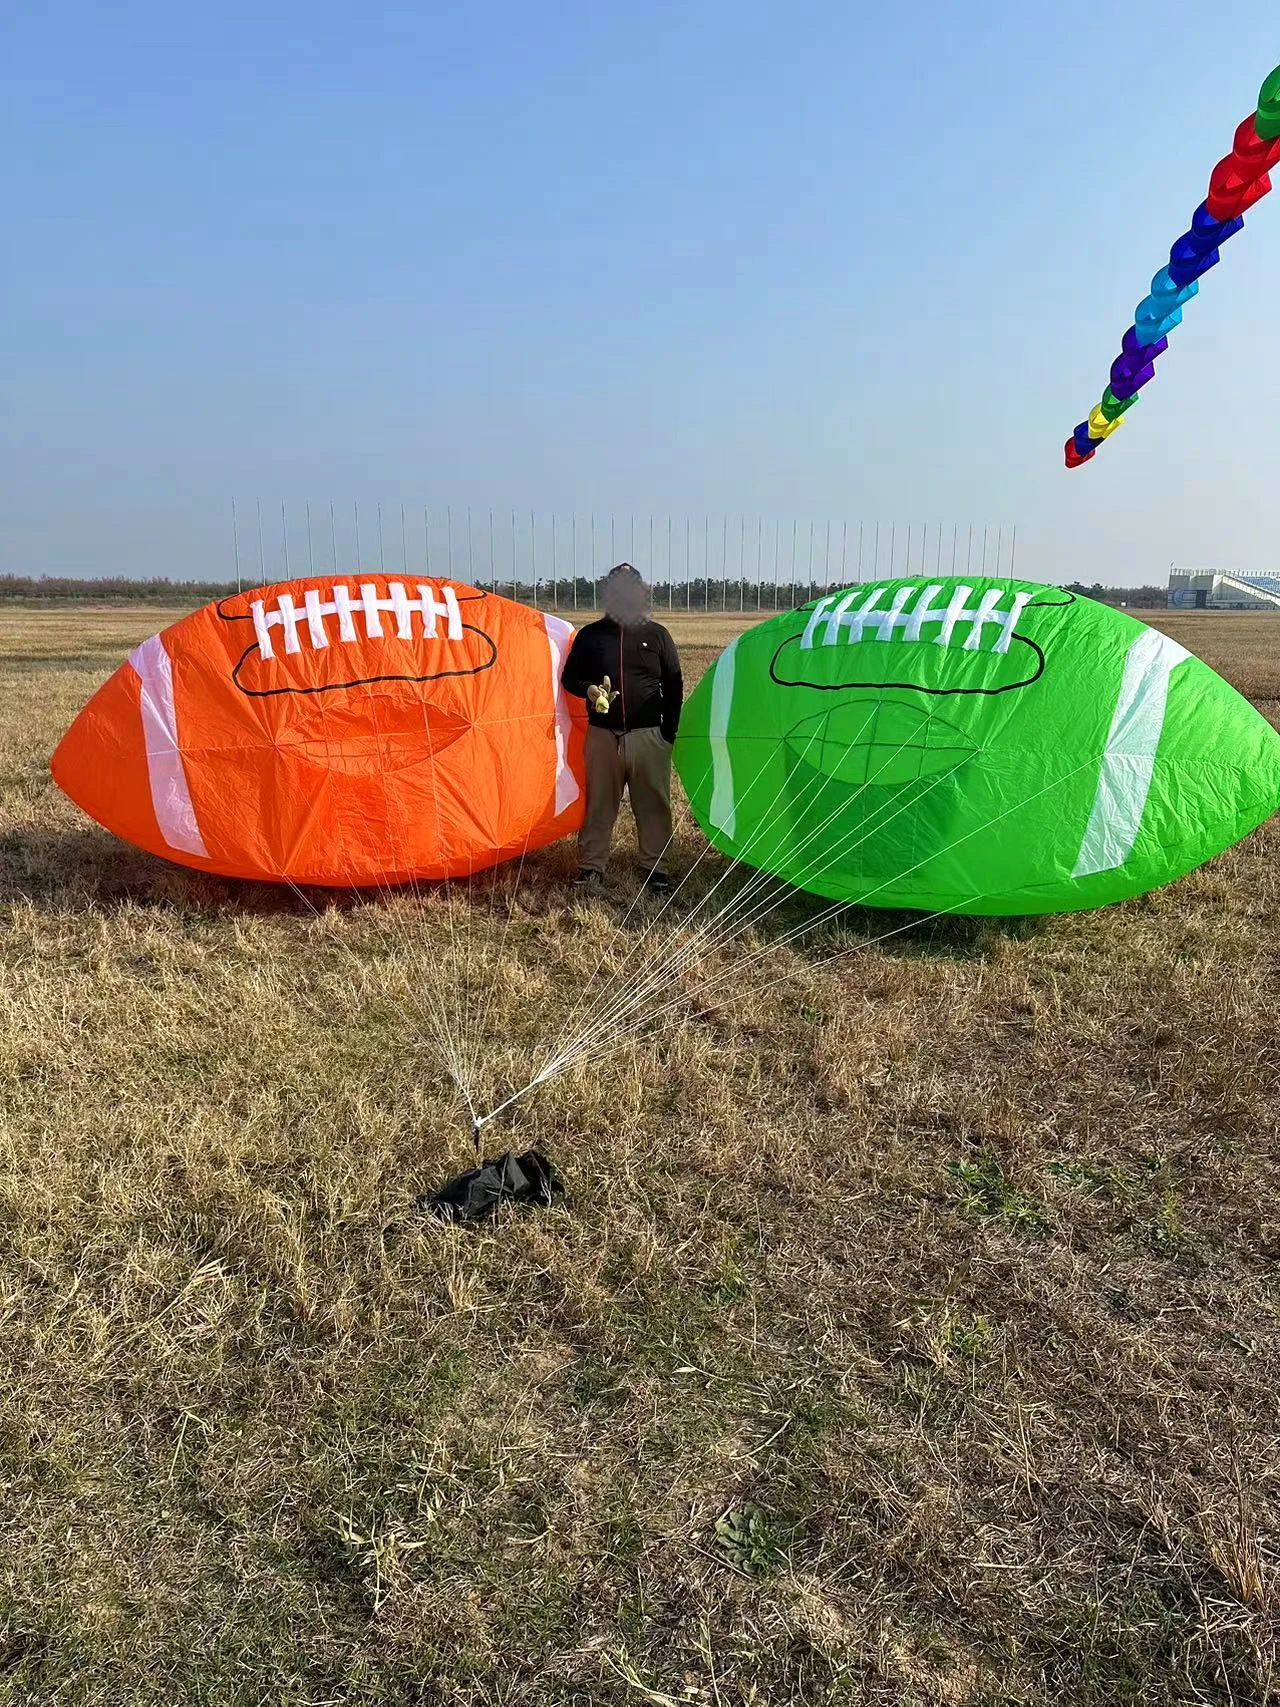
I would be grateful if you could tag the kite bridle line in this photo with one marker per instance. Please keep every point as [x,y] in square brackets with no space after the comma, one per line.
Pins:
[722,926]
[725,928]
[596,1047]
[698,992]
[639,977]
[707,848]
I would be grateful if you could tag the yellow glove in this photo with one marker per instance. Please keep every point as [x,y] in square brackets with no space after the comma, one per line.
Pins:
[601,698]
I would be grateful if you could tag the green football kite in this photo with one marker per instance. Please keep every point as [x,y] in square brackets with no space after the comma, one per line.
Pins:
[975,746]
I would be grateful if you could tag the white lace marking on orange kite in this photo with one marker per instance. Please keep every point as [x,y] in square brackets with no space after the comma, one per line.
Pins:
[836,614]
[289,619]
[166,773]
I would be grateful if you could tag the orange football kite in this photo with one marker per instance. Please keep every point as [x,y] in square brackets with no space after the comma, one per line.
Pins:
[337,730]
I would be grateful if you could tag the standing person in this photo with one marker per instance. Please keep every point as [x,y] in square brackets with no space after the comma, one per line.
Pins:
[627,669]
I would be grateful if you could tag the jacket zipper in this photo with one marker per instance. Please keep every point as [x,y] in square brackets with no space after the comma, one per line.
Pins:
[622,680]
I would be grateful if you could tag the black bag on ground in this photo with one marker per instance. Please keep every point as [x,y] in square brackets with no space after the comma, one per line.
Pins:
[475,1196]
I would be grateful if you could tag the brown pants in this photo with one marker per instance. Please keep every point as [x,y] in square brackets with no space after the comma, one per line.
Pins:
[640,762]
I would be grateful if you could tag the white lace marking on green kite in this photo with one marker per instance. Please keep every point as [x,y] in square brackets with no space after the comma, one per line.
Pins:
[836,617]
[1124,780]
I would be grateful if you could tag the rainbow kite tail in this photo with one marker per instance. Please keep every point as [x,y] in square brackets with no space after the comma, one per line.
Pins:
[1238,181]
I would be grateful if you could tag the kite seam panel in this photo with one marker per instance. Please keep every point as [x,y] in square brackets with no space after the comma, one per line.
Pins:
[1128,761]
[170,792]
[559,634]
[723,812]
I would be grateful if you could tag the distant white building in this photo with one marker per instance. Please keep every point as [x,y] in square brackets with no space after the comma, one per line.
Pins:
[1222,589]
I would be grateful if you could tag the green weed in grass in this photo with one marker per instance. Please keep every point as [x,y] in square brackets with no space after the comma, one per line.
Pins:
[983,1189]
[752,1540]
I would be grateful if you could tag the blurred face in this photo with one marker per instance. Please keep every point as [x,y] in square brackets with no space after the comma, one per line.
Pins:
[626,598]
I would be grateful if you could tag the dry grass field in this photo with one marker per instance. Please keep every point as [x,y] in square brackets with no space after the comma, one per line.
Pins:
[910,1332]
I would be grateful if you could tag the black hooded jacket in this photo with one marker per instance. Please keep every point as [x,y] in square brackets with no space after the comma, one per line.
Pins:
[643,668]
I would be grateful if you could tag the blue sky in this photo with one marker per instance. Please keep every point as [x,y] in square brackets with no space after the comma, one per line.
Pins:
[802,262]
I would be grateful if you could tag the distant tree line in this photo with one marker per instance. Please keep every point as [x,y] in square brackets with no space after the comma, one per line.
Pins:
[1140,598]
[109,589]
[700,593]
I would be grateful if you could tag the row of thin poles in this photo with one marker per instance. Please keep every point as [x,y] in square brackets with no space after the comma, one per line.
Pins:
[733,563]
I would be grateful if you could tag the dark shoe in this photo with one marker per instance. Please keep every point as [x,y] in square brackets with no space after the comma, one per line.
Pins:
[588,879]
[658,883]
